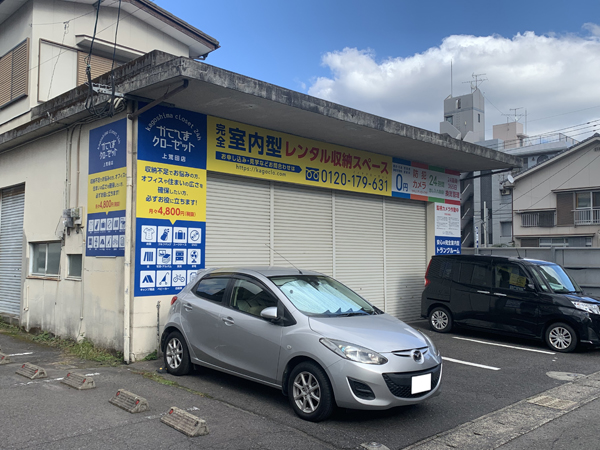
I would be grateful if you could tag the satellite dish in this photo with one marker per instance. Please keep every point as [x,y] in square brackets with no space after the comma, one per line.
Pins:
[510,179]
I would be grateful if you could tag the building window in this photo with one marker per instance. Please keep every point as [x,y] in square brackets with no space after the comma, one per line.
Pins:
[74,266]
[448,119]
[574,241]
[587,206]
[45,259]
[458,103]
[478,118]
[14,74]
[506,229]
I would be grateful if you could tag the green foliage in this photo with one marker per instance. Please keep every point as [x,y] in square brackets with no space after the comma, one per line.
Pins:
[83,350]
[152,356]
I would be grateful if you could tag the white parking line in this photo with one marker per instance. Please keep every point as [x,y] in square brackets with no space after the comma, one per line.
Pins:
[507,346]
[21,354]
[469,363]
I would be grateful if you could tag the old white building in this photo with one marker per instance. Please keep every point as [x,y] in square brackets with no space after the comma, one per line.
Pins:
[110,202]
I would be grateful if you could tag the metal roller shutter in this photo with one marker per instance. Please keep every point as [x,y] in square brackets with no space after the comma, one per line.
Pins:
[359,247]
[375,245]
[406,257]
[238,221]
[303,227]
[12,205]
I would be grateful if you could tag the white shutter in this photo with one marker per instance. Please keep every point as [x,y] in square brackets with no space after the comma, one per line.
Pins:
[12,205]
[375,245]
[406,260]
[303,227]
[359,244]
[237,221]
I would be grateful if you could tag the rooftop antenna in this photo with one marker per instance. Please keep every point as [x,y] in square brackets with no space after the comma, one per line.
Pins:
[451,79]
[299,271]
[477,81]
[516,116]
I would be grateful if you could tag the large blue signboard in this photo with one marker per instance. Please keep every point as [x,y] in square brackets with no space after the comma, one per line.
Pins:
[105,230]
[171,200]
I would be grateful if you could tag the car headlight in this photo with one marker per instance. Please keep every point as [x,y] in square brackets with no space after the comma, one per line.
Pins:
[431,345]
[353,352]
[587,307]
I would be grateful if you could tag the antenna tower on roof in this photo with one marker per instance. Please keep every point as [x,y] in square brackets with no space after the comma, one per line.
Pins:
[477,81]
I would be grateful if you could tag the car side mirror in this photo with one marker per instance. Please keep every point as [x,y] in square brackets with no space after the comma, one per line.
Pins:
[269,313]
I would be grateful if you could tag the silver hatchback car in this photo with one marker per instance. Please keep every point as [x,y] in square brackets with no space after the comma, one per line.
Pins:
[304,333]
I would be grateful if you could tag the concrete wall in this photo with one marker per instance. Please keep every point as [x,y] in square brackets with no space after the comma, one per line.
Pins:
[583,264]
[55,171]
[466,117]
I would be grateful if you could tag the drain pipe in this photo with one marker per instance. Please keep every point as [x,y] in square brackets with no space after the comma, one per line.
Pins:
[128,232]
[158,328]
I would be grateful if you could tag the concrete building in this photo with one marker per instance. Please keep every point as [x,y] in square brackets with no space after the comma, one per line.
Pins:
[110,203]
[486,206]
[557,203]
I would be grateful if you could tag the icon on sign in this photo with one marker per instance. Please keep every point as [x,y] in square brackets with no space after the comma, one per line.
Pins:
[164,281]
[165,235]
[122,241]
[148,234]
[194,257]
[90,241]
[148,255]
[312,174]
[115,240]
[109,224]
[195,236]
[180,256]
[102,224]
[97,225]
[180,235]
[164,256]
[192,274]
[122,223]
[147,278]
[96,241]
[102,242]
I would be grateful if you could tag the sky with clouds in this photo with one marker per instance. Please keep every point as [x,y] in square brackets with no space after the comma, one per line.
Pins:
[392,58]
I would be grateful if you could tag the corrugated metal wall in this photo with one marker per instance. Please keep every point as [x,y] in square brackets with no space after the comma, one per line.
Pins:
[12,205]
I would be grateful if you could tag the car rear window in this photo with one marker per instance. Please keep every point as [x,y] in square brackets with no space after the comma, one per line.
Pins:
[212,288]
[476,274]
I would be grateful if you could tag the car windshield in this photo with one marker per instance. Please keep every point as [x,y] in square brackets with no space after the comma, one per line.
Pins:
[322,296]
[558,279]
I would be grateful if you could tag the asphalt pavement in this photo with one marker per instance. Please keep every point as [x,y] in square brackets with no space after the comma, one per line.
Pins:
[497,393]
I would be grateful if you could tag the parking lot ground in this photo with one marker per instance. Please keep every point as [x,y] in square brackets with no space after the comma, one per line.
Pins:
[242,415]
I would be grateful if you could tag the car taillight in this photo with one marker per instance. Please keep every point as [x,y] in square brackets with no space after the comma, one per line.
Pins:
[427,273]
[173,300]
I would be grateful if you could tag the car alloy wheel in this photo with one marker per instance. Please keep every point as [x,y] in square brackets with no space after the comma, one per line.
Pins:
[561,337]
[440,320]
[174,353]
[176,356]
[306,392]
[310,393]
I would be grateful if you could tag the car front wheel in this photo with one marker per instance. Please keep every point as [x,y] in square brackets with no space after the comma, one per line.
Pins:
[440,320]
[561,337]
[310,393]
[176,356]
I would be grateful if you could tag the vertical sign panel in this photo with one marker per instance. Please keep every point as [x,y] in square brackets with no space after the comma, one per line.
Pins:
[447,229]
[106,190]
[171,200]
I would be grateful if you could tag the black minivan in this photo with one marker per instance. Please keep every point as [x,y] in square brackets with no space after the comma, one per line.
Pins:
[524,297]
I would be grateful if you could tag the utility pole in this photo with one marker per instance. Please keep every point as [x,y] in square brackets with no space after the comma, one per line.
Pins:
[485,225]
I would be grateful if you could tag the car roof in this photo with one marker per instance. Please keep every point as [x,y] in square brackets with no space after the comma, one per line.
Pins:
[266,271]
[495,258]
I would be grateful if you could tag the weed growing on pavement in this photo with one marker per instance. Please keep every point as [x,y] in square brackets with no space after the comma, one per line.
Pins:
[83,350]
[153,376]
[152,356]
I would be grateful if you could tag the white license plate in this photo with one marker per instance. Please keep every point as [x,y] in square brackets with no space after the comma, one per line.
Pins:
[421,383]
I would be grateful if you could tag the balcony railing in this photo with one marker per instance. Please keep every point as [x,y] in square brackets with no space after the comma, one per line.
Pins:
[544,219]
[587,216]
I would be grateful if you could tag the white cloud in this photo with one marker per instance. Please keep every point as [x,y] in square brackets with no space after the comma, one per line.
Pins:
[549,75]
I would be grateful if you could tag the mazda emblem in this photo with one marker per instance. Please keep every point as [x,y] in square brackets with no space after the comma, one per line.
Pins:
[417,356]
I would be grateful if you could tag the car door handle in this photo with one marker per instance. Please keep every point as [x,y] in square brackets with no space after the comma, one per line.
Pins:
[483,292]
[228,320]
[187,306]
[499,294]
